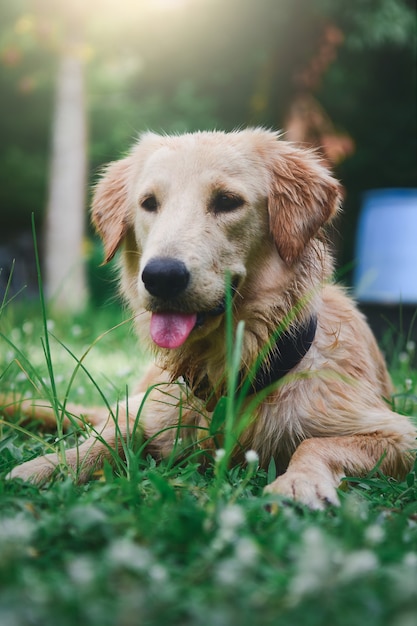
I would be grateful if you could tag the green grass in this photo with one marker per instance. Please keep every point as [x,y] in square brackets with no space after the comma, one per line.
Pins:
[166,544]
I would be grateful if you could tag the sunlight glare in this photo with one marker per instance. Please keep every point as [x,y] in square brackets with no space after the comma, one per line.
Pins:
[167,4]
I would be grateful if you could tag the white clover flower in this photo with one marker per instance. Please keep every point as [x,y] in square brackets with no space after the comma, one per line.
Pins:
[125,553]
[231,517]
[81,571]
[15,334]
[318,561]
[27,327]
[15,529]
[246,551]
[252,456]
[304,583]
[410,560]
[408,384]
[219,454]
[410,347]
[374,534]
[229,572]
[357,508]
[358,563]
[50,325]
[158,573]
[404,576]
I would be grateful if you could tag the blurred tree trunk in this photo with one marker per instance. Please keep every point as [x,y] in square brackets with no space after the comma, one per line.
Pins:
[65,276]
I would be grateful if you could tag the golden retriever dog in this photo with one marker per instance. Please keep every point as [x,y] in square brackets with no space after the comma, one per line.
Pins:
[193,213]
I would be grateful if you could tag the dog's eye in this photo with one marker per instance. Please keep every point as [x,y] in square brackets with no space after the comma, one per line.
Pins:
[224,202]
[150,204]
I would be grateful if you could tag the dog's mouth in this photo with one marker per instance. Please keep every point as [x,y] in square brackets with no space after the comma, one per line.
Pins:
[171,329]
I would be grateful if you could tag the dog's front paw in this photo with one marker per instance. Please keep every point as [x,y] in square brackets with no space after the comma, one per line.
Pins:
[37,471]
[315,492]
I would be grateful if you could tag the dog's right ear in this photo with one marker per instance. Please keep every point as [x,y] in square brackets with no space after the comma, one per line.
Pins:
[110,206]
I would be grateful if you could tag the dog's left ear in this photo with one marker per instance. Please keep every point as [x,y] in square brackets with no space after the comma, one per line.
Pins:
[110,206]
[303,196]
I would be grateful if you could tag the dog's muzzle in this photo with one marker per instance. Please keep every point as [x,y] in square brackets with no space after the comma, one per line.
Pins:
[167,278]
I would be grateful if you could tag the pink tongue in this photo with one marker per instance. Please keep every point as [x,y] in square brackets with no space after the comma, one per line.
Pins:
[170,330]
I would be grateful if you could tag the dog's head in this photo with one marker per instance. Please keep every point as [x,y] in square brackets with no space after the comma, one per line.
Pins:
[196,207]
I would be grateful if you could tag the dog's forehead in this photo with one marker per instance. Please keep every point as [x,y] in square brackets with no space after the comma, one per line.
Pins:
[204,157]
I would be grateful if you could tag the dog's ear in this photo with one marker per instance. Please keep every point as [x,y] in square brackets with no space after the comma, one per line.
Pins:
[303,196]
[110,206]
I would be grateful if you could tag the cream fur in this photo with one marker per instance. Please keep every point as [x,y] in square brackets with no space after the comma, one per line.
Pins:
[329,416]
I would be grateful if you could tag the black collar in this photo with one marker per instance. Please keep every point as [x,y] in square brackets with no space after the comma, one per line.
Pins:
[288,350]
[290,346]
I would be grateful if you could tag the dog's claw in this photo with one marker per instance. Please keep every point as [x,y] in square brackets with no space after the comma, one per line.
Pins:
[316,494]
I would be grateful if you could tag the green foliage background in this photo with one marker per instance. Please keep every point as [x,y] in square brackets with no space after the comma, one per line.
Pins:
[206,64]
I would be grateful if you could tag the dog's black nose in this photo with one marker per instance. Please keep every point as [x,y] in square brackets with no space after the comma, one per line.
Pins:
[165,277]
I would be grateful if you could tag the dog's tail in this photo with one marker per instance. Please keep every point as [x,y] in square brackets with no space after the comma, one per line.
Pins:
[32,409]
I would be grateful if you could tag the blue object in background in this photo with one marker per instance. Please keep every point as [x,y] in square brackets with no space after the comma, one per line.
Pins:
[386,247]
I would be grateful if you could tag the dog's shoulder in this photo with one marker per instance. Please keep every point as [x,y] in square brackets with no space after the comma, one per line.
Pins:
[345,340]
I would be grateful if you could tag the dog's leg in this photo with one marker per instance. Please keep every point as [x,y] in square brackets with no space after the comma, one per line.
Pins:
[84,459]
[152,418]
[43,412]
[107,439]
[318,464]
